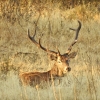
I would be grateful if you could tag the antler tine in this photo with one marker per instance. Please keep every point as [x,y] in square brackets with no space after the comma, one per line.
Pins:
[39,44]
[32,38]
[76,37]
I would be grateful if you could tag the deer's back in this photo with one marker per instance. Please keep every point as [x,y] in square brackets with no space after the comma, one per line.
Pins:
[34,78]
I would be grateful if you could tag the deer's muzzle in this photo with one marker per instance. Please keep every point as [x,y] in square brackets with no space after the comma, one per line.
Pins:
[69,69]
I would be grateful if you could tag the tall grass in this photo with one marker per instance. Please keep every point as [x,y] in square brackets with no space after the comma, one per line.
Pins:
[19,54]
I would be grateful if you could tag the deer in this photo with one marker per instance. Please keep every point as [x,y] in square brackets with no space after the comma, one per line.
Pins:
[60,67]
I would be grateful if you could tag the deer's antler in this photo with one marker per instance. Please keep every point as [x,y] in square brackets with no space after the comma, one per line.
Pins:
[39,44]
[76,37]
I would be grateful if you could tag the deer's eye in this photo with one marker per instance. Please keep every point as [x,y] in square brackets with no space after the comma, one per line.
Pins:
[59,61]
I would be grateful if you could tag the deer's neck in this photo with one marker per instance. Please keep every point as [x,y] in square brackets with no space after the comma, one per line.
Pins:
[55,71]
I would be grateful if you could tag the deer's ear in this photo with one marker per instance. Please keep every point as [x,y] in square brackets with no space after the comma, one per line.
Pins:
[52,57]
[72,55]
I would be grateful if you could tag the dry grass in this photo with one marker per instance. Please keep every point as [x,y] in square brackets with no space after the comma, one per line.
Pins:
[17,53]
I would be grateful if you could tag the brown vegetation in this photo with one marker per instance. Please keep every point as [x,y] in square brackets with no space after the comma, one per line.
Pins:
[18,54]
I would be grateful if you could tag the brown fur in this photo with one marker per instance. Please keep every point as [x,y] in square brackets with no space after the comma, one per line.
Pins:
[60,67]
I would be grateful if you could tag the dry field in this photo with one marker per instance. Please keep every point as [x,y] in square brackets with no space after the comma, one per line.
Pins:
[19,54]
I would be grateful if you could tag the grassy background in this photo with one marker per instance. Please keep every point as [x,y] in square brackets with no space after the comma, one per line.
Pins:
[19,54]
